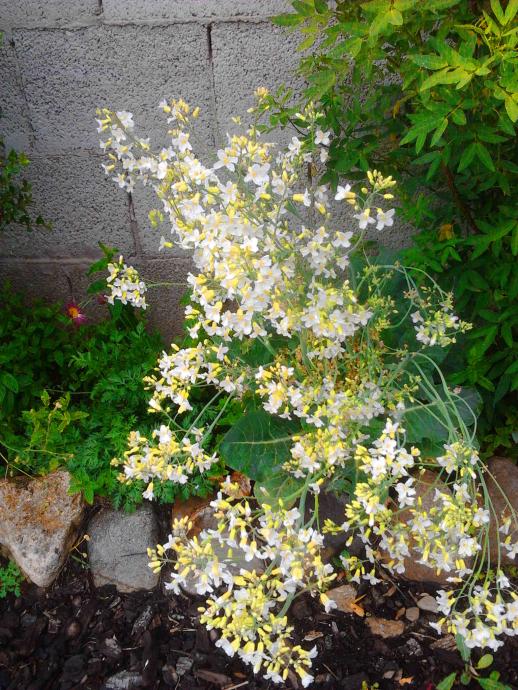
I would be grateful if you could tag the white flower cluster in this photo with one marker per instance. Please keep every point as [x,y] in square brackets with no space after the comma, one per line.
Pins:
[244,245]
[444,528]
[249,614]
[126,285]
[169,456]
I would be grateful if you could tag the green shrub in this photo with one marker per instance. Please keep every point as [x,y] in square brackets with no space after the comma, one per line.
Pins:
[428,92]
[10,580]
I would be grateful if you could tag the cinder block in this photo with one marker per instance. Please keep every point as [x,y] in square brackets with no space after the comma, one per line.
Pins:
[30,13]
[165,311]
[14,121]
[83,206]
[142,10]
[246,56]
[52,281]
[68,74]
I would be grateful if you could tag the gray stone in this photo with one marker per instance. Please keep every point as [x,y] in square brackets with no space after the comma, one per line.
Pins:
[202,517]
[39,520]
[412,614]
[117,550]
[146,10]
[385,628]
[246,56]
[84,207]
[428,603]
[124,680]
[502,486]
[344,598]
[68,74]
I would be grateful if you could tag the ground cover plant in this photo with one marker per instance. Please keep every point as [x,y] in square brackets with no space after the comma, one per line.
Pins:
[428,92]
[333,357]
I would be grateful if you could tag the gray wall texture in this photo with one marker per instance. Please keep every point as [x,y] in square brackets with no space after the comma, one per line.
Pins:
[60,60]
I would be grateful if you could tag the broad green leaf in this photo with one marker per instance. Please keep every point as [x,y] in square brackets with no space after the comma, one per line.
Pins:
[429,61]
[9,381]
[439,132]
[467,157]
[429,422]
[514,241]
[395,17]
[447,683]
[511,107]
[257,444]
[459,117]
[321,6]
[498,11]
[291,19]
[275,486]
[510,11]
[444,76]
[484,156]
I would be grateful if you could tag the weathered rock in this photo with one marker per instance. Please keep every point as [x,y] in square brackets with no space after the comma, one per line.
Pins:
[344,598]
[502,486]
[201,515]
[117,549]
[39,520]
[385,628]
[428,603]
[412,614]
[125,680]
[424,489]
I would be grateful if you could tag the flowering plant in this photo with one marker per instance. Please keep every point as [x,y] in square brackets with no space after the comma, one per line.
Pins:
[291,316]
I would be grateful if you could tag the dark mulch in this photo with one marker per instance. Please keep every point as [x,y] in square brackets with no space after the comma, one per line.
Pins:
[73,636]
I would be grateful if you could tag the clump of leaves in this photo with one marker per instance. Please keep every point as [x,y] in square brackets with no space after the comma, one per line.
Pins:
[10,580]
[428,92]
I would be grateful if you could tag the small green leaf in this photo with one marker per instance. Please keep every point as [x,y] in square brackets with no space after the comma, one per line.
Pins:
[467,157]
[484,156]
[395,17]
[321,6]
[511,108]
[429,61]
[291,19]
[439,132]
[447,683]
[9,381]
[485,661]
[497,10]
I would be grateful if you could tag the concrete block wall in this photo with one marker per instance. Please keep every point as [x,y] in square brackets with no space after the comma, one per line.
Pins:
[60,60]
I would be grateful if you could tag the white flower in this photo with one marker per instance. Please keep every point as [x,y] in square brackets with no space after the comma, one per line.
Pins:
[364,218]
[258,174]
[343,192]
[322,138]
[385,219]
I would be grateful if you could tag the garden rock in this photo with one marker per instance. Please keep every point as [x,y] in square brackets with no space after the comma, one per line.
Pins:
[344,598]
[39,520]
[385,628]
[502,486]
[117,549]
[424,491]
[202,517]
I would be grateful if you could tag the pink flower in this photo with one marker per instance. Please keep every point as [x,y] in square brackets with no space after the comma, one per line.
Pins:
[73,311]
